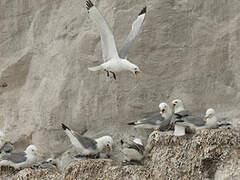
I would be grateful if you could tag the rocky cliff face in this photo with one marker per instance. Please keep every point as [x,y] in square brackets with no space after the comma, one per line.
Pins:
[187,49]
[208,154]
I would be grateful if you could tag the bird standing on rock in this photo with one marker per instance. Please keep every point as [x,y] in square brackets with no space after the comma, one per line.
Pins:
[88,147]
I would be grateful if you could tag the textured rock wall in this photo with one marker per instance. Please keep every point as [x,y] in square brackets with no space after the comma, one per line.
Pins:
[187,49]
[208,154]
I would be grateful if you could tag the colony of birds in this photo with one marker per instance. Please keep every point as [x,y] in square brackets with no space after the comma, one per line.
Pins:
[170,118]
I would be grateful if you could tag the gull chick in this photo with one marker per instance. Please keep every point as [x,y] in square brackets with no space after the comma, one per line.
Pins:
[20,159]
[134,151]
[159,120]
[87,146]
[114,62]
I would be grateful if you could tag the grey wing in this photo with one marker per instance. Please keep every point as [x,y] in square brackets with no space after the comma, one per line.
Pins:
[135,29]
[109,49]
[154,119]
[196,121]
[16,157]
[137,147]
[86,141]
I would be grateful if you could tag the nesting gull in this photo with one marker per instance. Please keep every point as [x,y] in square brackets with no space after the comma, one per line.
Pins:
[183,118]
[88,147]
[20,159]
[112,61]
[134,151]
[157,120]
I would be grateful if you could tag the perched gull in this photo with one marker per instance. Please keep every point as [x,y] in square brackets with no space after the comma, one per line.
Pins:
[157,120]
[134,151]
[20,159]
[182,118]
[87,146]
[210,120]
[112,61]
[49,163]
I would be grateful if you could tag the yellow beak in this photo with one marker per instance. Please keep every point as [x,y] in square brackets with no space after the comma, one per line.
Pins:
[136,72]
[3,140]
[108,148]
[36,154]
[206,117]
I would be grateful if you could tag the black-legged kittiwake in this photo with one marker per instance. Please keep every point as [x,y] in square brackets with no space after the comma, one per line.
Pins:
[210,120]
[20,159]
[87,146]
[133,151]
[114,62]
[157,120]
[183,118]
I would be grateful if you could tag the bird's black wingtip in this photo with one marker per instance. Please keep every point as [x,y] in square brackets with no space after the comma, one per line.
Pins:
[65,127]
[89,4]
[179,120]
[143,11]
[131,123]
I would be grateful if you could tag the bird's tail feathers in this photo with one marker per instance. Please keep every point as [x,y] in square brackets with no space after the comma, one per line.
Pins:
[132,123]
[96,68]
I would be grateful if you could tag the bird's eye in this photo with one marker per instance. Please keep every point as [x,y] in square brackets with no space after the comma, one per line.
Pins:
[135,68]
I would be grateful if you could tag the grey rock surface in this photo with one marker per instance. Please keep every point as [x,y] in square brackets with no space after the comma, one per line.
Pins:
[187,49]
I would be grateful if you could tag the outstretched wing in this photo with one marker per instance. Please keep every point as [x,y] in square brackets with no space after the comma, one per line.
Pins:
[109,49]
[135,29]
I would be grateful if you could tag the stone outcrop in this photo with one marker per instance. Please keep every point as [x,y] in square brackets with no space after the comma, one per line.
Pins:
[208,154]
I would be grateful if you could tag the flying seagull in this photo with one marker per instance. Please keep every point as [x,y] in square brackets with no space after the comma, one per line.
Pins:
[88,147]
[114,62]
[157,120]
[20,159]
[183,118]
[134,151]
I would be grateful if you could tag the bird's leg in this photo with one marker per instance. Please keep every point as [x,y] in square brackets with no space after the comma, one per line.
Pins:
[107,72]
[114,75]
